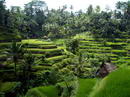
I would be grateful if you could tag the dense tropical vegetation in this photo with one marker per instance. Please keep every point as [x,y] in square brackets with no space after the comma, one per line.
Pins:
[58,52]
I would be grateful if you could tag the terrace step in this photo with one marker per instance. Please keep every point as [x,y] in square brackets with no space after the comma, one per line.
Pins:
[43,51]
[95,47]
[42,46]
[41,68]
[95,50]
[56,58]
[36,42]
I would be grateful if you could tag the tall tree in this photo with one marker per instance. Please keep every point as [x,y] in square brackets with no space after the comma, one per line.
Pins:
[35,11]
[15,52]
[2,12]
[98,9]
[90,10]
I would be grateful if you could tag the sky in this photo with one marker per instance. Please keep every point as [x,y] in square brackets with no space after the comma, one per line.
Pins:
[77,4]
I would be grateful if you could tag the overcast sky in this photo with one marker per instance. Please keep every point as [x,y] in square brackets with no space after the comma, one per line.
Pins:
[77,4]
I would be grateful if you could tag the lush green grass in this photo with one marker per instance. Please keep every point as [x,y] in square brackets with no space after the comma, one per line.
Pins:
[116,43]
[59,42]
[121,40]
[56,58]
[88,41]
[95,50]
[113,59]
[117,84]
[118,51]
[45,91]
[47,52]
[36,55]
[95,47]
[126,57]
[92,44]
[41,46]
[36,41]
[99,54]
[85,87]
[40,68]
[7,43]
[85,35]
[43,50]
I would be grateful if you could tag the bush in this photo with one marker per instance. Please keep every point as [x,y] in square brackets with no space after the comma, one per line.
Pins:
[72,46]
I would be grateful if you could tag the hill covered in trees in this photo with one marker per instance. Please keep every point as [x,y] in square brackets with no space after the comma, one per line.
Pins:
[37,20]
[59,52]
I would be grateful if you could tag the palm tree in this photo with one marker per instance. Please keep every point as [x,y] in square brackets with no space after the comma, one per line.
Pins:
[29,60]
[16,52]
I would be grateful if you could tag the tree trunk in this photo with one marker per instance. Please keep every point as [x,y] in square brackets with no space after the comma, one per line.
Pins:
[15,70]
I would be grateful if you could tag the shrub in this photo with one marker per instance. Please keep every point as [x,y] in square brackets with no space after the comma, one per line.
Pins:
[72,46]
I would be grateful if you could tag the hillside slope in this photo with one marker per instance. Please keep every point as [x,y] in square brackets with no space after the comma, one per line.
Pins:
[117,84]
[116,49]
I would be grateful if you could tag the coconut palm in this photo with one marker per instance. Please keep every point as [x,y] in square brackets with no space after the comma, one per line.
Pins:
[15,52]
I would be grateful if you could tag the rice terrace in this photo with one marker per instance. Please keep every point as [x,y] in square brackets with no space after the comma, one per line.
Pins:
[74,48]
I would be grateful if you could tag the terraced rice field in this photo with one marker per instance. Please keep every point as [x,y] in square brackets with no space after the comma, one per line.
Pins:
[44,48]
[118,49]
[39,48]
